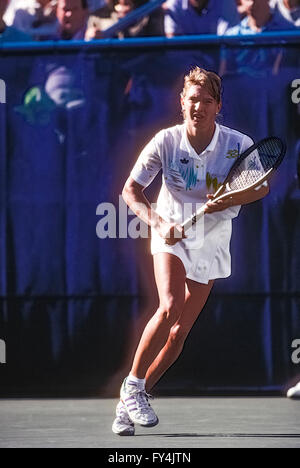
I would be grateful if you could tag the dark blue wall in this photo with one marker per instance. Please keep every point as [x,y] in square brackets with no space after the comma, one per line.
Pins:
[72,305]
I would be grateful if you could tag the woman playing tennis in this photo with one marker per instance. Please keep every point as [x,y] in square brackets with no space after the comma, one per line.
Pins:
[194,158]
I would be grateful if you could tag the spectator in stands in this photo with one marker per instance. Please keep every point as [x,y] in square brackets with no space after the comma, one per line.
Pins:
[200,17]
[149,25]
[259,70]
[72,17]
[240,8]
[10,33]
[123,7]
[107,16]
[290,10]
[40,19]
[260,17]
[35,17]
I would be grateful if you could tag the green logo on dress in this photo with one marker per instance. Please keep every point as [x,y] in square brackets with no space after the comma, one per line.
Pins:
[233,153]
[212,182]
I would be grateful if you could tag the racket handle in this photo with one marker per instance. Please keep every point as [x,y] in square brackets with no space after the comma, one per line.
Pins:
[193,219]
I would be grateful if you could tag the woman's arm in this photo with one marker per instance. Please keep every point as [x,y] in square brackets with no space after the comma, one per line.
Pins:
[133,195]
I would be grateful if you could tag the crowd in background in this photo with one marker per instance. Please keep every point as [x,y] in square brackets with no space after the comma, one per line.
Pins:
[27,20]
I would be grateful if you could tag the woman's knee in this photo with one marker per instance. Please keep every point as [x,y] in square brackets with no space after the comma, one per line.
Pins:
[169,311]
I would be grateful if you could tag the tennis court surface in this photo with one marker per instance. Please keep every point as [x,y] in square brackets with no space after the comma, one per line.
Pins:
[184,423]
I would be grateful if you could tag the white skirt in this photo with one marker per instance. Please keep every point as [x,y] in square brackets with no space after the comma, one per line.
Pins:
[211,261]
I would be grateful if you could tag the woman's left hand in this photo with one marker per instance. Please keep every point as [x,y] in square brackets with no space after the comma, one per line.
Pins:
[219,205]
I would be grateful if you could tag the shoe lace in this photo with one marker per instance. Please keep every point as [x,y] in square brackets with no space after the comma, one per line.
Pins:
[142,398]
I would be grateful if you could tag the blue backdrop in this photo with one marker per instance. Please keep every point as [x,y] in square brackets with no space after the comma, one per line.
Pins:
[72,305]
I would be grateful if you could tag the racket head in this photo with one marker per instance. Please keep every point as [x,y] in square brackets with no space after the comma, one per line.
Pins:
[255,165]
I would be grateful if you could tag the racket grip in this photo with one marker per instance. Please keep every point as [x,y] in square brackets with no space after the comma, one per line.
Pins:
[193,219]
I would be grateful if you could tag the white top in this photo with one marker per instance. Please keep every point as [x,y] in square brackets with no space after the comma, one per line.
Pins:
[186,179]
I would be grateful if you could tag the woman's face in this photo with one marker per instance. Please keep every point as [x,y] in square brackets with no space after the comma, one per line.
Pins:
[199,108]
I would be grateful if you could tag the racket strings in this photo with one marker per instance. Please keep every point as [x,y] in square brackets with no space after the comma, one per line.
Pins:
[255,166]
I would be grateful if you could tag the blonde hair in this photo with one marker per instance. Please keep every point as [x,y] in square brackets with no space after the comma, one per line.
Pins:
[207,79]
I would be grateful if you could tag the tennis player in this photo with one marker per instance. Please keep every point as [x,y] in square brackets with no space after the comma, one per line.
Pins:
[194,158]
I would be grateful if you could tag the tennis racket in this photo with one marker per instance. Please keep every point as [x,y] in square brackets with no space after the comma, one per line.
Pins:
[250,170]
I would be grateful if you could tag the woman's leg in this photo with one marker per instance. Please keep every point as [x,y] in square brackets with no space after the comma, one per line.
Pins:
[170,280]
[195,299]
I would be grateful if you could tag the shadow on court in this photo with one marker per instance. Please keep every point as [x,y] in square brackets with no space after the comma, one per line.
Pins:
[234,436]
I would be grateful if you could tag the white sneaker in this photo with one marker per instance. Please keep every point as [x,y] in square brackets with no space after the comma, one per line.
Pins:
[137,405]
[294,392]
[122,425]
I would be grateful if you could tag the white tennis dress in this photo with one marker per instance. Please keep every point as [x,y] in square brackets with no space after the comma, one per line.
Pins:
[186,179]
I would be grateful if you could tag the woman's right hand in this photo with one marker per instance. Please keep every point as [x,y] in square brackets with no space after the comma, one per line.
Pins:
[171,232]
